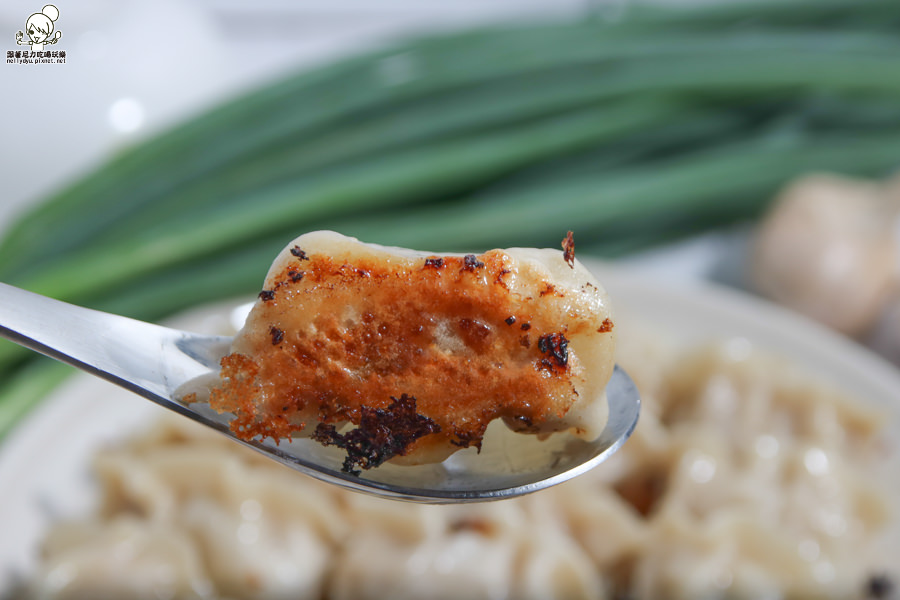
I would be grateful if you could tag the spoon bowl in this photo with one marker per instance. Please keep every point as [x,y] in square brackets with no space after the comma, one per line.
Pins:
[159,363]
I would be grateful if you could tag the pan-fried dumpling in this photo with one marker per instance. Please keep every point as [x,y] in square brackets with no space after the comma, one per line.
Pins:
[418,351]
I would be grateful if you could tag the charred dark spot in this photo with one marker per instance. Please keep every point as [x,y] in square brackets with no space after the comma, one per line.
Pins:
[526,326]
[568,245]
[267,295]
[606,326]
[295,275]
[525,341]
[510,320]
[381,435]
[296,251]
[434,263]
[521,423]
[879,586]
[548,289]
[277,335]
[556,346]
[471,262]
[500,275]
[465,439]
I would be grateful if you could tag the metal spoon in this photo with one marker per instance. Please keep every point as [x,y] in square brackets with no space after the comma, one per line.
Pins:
[155,361]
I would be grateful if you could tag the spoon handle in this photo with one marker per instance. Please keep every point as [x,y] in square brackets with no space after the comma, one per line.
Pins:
[147,359]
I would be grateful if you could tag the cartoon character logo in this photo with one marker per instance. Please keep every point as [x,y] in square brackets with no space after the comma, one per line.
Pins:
[40,27]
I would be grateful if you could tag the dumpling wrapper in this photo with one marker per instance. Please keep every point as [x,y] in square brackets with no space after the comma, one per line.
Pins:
[419,351]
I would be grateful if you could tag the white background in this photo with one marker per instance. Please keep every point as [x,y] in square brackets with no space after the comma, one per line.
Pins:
[170,58]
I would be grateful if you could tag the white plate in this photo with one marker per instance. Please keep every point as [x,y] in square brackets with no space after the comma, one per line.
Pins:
[45,463]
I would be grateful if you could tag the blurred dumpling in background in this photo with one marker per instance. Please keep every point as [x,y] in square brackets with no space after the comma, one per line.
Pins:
[744,479]
[830,249]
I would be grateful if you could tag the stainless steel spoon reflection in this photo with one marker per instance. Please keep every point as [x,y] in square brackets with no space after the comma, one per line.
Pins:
[155,361]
